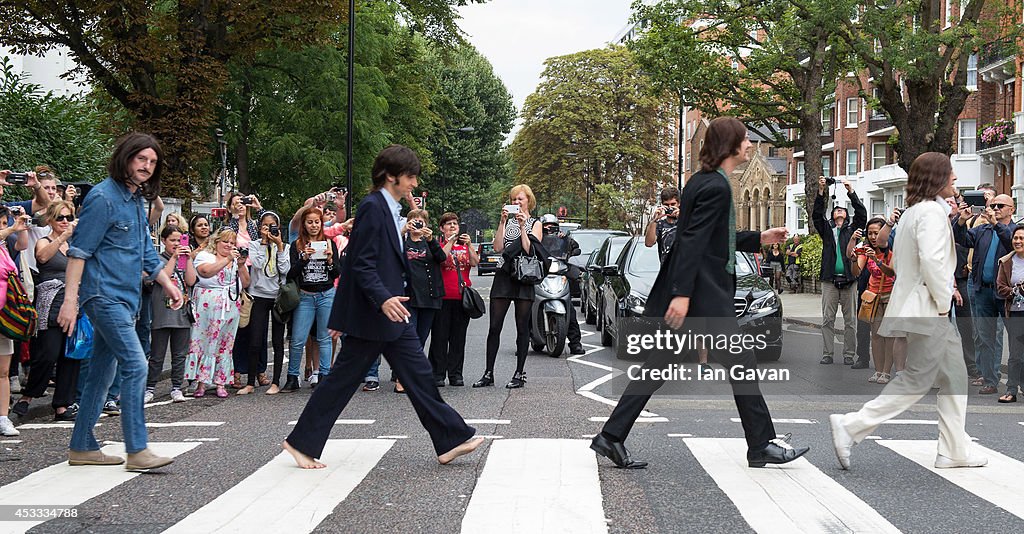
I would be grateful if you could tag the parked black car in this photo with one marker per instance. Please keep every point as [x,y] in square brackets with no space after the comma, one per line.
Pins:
[488,259]
[589,240]
[628,282]
[593,278]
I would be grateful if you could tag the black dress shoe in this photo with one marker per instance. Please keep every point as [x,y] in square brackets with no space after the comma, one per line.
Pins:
[486,380]
[773,454]
[20,408]
[456,382]
[577,350]
[614,451]
[862,364]
[439,383]
[825,360]
[292,384]
[68,415]
[518,380]
[848,360]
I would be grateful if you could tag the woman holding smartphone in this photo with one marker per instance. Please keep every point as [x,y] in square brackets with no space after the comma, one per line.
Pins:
[515,226]
[448,348]
[171,326]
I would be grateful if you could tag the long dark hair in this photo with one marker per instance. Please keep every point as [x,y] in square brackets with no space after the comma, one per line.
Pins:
[928,176]
[394,160]
[723,140]
[127,147]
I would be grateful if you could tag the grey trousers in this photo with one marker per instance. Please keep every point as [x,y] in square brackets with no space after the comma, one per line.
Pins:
[831,300]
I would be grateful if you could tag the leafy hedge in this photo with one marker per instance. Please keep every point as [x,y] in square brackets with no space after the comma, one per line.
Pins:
[810,260]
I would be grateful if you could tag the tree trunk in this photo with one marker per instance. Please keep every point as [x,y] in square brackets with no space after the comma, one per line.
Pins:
[242,144]
[810,128]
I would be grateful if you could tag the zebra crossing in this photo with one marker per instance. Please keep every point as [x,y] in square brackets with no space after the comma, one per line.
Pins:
[513,492]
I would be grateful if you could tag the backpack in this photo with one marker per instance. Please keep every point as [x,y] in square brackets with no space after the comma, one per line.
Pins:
[18,316]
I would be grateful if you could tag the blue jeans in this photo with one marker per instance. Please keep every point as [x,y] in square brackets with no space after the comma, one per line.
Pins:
[83,372]
[115,342]
[311,305]
[988,334]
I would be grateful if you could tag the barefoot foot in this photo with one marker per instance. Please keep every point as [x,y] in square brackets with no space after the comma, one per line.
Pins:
[463,448]
[304,461]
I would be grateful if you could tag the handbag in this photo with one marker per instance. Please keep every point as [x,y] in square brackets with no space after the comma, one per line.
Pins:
[79,343]
[871,302]
[18,316]
[287,300]
[472,302]
[527,270]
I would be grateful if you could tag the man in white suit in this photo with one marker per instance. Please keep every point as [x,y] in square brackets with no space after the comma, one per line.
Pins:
[925,259]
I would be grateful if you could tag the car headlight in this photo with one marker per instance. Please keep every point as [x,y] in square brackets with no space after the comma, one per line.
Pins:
[553,284]
[765,304]
[635,303]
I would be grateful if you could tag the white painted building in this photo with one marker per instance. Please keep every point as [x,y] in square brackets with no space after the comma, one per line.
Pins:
[47,71]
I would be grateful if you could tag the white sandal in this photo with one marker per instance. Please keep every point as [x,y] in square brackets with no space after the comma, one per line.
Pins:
[884,379]
[875,377]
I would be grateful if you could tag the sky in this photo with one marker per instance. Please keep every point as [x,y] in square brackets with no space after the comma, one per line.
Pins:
[518,35]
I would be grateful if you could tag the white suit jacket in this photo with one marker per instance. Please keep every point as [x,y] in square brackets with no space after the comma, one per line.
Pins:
[924,258]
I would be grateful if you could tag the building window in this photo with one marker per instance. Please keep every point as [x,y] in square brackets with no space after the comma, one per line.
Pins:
[863,110]
[852,112]
[972,72]
[851,162]
[876,112]
[949,13]
[897,200]
[826,121]
[800,172]
[801,217]
[966,143]
[877,207]
[877,155]
[826,166]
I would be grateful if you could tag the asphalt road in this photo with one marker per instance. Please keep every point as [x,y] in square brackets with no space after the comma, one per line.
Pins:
[534,473]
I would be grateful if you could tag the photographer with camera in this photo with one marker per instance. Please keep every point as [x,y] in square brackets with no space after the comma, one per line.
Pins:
[336,194]
[990,241]
[270,265]
[448,348]
[238,215]
[838,282]
[662,228]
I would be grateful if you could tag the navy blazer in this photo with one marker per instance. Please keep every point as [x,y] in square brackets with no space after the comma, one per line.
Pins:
[374,270]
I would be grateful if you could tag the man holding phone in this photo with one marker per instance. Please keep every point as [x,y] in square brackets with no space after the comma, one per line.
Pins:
[662,228]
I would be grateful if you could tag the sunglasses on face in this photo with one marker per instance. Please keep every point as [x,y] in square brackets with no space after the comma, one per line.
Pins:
[999,206]
[62,218]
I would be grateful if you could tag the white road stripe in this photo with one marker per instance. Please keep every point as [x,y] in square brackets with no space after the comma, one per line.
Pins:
[392,437]
[64,485]
[516,493]
[202,439]
[347,422]
[909,422]
[184,424]
[10,441]
[796,497]
[488,421]
[593,384]
[594,396]
[679,435]
[286,498]
[783,420]
[638,419]
[997,483]
[44,426]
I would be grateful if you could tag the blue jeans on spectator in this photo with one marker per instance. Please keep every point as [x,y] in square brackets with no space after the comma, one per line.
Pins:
[988,334]
[115,342]
[311,305]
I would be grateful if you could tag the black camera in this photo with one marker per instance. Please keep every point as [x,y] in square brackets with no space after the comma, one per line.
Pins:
[417,225]
[829,181]
[670,210]
[274,230]
[17,178]
[247,201]
[243,252]
[17,211]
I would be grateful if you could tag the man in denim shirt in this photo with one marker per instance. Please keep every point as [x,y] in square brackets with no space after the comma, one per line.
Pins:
[109,251]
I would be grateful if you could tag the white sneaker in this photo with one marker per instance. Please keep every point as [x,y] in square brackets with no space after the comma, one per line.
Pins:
[177,396]
[7,427]
[15,385]
[314,379]
[148,397]
[841,440]
[943,462]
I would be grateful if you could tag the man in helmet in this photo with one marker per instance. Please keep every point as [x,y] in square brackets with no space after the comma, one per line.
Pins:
[559,245]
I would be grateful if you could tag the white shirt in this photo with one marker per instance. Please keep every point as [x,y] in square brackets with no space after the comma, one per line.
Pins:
[396,214]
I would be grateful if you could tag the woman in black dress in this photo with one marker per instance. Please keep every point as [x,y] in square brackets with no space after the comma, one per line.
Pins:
[505,290]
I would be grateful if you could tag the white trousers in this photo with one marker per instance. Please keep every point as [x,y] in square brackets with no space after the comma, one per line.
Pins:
[935,359]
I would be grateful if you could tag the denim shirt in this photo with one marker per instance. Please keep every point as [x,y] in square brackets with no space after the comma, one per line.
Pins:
[112,237]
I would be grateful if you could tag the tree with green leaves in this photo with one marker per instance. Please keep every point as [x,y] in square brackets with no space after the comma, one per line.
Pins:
[166,62]
[66,133]
[770,63]
[919,64]
[593,120]
[477,111]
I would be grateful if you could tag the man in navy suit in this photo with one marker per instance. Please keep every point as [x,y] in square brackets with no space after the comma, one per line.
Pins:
[368,309]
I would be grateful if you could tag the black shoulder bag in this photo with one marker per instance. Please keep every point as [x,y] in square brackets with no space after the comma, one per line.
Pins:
[472,302]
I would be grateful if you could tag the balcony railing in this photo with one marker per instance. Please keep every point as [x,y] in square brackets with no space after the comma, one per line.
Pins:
[985,145]
[878,123]
[997,52]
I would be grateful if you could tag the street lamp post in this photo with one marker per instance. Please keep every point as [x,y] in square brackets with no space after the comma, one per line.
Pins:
[223,164]
[350,126]
[586,178]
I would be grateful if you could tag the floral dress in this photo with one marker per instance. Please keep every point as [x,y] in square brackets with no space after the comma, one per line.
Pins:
[217,306]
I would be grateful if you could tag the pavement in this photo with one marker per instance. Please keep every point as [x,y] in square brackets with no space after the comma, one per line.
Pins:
[805,309]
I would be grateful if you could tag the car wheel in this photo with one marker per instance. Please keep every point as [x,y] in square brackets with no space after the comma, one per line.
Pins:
[588,316]
[771,353]
[606,337]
